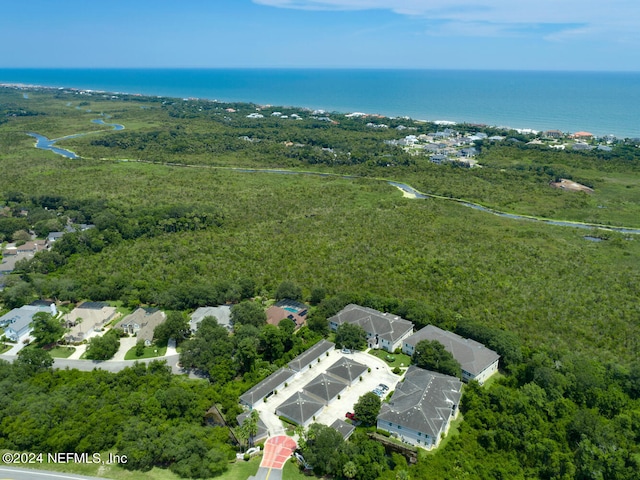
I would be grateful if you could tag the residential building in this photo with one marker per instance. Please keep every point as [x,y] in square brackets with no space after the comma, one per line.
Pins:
[221,313]
[17,323]
[384,330]
[325,388]
[86,318]
[300,408]
[347,370]
[312,356]
[291,309]
[477,361]
[267,387]
[142,323]
[421,407]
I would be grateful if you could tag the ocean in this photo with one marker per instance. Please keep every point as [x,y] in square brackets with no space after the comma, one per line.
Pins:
[599,102]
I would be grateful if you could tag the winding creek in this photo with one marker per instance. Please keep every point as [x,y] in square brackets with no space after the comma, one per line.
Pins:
[44,143]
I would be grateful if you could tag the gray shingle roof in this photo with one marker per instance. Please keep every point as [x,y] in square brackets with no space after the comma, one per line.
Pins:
[422,401]
[300,408]
[263,432]
[472,356]
[345,429]
[20,318]
[310,356]
[325,387]
[386,325]
[266,386]
[347,369]
[221,313]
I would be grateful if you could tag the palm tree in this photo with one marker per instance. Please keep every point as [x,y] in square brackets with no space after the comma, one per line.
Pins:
[350,470]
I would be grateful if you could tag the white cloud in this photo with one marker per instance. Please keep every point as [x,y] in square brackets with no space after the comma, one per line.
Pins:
[567,18]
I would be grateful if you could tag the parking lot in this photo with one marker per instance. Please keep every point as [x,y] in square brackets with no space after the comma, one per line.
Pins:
[380,373]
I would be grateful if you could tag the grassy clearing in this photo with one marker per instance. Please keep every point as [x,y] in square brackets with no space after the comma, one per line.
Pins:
[241,470]
[105,470]
[149,352]
[61,352]
[5,347]
[400,359]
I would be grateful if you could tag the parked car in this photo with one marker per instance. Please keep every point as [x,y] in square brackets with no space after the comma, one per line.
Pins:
[378,392]
[346,351]
[383,387]
[351,416]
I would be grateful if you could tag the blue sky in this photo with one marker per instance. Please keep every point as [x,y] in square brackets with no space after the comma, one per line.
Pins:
[457,34]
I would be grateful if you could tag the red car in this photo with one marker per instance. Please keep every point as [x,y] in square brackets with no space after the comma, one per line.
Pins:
[351,416]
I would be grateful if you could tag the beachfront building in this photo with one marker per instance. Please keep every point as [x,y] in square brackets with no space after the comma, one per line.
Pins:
[384,330]
[421,407]
[477,361]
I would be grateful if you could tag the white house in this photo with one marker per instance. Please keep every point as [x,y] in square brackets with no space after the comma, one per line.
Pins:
[477,361]
[17,323]
[421,408]
[384,330]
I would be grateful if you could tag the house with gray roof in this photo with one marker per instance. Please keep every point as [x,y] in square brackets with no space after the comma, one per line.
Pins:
[221,313]
[300,408]
[310,357]
[263,432]
[384,330]
[477,361]
[86,318]
[142,323]
[347,370]
[325,388]
[267,387]
[421,408]
[17,323]
[345,429]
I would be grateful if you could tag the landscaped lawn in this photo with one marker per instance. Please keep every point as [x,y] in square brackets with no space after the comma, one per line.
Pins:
[149,352]
[242,470]
[399,359]
[61,352]
[5,347]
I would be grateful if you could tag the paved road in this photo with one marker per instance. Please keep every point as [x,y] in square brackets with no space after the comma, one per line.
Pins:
[10,473]
[113,366]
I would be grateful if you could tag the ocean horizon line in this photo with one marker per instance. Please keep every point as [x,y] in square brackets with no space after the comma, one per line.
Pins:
[599,102]
[330,68]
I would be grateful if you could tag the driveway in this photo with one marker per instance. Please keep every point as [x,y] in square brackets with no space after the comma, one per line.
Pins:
[126,343]
[380,373]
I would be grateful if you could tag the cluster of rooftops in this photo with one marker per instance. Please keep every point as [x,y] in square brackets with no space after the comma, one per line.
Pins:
[423,402]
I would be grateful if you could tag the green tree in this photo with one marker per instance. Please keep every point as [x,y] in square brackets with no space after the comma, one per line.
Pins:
[350,470]
[139,348]
[271,343]
[321,445]
[175,326]
[351,336]
[367,408]
[431,355]
[46,329]
[317,295]
[290,290]
[104,347]
[33,360]
[248,313]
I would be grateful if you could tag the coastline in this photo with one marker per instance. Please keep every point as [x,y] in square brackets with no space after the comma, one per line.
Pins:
[564,101]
